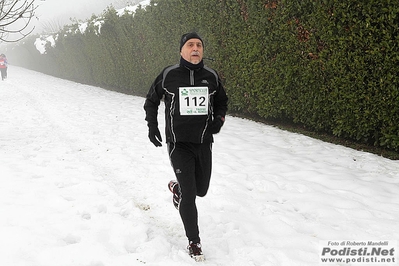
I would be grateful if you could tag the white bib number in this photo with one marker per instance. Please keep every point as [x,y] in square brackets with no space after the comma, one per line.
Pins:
[193,100]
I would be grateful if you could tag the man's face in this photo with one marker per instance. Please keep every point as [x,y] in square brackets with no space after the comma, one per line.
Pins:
[192,51]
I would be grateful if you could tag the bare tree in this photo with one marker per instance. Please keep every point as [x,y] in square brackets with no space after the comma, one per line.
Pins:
[19,14]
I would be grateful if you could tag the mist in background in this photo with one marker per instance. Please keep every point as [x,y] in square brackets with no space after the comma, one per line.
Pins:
[52,15]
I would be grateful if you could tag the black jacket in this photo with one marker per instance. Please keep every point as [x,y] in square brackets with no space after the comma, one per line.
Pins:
[190,124]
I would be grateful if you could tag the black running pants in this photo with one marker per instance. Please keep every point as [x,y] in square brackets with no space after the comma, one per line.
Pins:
[192,164]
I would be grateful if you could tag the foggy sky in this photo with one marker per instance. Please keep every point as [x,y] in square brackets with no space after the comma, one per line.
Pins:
[53,12]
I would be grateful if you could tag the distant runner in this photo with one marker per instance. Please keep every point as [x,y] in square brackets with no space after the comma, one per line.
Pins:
[3,66]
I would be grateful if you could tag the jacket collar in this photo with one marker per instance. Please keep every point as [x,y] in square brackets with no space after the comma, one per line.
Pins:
[191,66]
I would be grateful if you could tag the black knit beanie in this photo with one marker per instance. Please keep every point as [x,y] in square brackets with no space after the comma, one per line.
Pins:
[188,36]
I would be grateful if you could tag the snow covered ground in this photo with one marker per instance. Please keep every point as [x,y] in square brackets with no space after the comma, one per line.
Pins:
[80,184]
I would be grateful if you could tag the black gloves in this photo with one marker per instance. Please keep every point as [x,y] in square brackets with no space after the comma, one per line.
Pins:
[154,135]
[215,126]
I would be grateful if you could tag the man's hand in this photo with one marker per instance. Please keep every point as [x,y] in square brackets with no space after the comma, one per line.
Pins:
[215,126]
[154,135]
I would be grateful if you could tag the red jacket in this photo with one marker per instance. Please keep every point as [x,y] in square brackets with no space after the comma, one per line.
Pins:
[3,62]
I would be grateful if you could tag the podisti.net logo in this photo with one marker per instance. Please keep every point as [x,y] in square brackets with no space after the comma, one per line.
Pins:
[381,252]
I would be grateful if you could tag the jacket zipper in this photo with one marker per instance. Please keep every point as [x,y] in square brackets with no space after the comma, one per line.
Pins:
[192,77]
[192,83]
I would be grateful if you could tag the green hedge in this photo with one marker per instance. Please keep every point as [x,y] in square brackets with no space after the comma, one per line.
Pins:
[326,64]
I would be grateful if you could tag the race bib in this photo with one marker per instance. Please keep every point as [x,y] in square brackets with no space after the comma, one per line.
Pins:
[193,100]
